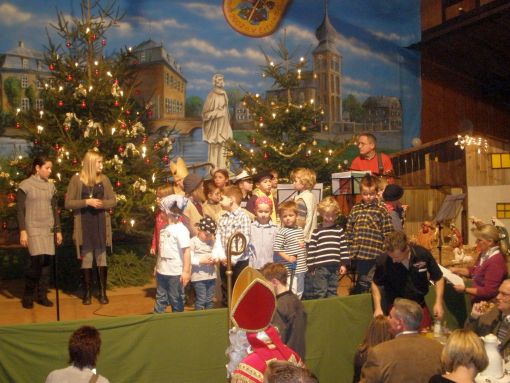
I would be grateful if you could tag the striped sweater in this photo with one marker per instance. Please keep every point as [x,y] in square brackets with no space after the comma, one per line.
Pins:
[291,241]
[327,247]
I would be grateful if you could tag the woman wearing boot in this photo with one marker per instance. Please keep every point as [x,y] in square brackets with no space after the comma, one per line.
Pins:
[39,227]
[90,195]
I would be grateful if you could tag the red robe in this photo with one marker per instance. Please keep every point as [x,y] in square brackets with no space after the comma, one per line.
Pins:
[252,367]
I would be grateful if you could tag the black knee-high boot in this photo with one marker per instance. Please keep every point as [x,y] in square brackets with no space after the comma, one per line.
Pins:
[103,274]
[32,273]
[87,284]
[44,282]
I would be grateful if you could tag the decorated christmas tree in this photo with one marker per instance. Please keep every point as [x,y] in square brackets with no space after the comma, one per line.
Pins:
[88,105]
[285,128]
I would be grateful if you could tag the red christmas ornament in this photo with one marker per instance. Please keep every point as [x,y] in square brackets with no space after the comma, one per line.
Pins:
[116,82]
[118,184]
[128,112]
[18,125]
[253,141]
[4,225]
[147,160]
[103,42]
[66,127]
[123,125]
[11,197]
[121,149]
[144,140]
[156,147]
[116,103]
[96,72]
[75,161]
[52,67]
[36,142]
[124,221]
[83,104]
[110,211]
[68,44]
[93,37]
[61,103]
[165,159]
[137,92]
[97,143]
[149,113]
[261,119]
[57,147]
[266,155]
[69,77]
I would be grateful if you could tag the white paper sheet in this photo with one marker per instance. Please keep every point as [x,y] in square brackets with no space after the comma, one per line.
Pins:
[454,279]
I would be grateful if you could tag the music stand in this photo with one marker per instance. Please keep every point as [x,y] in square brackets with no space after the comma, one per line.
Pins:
[448,211]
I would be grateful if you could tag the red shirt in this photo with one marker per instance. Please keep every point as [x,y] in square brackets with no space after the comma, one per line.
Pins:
[372,164]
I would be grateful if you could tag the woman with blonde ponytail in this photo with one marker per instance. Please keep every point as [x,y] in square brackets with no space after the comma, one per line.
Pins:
[90,195]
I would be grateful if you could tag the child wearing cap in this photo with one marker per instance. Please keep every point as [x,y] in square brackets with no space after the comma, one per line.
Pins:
[195,193]
[173,265]
[391,195]
[262,234]
[203,270]
[263,187]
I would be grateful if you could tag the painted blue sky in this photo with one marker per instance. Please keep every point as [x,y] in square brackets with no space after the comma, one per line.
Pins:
[373,35]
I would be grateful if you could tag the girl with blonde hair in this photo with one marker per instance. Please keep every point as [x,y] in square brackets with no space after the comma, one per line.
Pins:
[90,195]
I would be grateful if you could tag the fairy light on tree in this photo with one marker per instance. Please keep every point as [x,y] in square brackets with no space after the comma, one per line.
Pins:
[88,105]
[284,128]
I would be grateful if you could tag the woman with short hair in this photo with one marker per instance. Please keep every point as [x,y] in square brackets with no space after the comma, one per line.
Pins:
[462,359]
[84,347]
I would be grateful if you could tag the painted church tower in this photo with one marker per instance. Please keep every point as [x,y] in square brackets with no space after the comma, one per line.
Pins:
[328,72]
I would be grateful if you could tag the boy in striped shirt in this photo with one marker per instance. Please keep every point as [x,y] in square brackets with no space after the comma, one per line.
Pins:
[289,247]
[327,253]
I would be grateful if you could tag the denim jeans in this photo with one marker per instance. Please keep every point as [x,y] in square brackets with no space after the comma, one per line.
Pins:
[365,269]
[169,291]
[322,282]
[204,291]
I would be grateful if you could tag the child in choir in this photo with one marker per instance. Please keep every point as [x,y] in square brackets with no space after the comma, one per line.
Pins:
[263,184]
[304,181]
[220,178]
[194,191]
[327,254]
[262,234]
[289,247]
[160,219]
[203,270]
[245,183]
[173,266]
[211,207]
[233,220]
[367,225]
[274,186]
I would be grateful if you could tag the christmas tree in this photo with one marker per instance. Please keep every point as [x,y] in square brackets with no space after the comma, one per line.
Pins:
[88,105]
[285,128]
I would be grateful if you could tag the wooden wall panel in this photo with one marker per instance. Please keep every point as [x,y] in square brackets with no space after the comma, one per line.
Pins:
[453,104]
[479,169]
[431,14]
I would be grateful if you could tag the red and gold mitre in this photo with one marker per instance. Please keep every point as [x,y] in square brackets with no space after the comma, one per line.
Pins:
[253,301]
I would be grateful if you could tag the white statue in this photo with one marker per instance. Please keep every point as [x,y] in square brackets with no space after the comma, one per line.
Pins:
[216,122]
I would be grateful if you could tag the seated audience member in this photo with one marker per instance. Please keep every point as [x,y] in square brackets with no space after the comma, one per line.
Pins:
[405,271]
[490,268]
[284,372]
[487,318]
[84,347]
[290,316]
[410,357]
[378,331]
[463,358]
